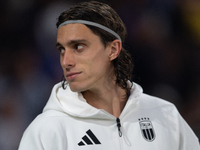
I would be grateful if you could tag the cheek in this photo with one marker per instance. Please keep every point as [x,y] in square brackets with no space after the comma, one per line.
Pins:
[97,68]
[95,62]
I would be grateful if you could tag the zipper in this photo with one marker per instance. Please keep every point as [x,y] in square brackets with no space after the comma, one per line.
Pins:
[119,127]
[120,134]
[119,131]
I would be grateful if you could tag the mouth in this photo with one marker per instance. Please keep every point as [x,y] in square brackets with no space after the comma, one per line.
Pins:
[71,76]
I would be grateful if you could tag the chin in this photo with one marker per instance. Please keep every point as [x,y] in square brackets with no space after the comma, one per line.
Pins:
[76,88]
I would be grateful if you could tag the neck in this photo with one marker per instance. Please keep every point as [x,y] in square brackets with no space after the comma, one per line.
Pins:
[111,98]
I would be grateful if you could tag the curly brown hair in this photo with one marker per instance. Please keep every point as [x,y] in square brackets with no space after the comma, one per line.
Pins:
[103,14]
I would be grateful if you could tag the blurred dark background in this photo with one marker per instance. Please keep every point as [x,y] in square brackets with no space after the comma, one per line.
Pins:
[163,38]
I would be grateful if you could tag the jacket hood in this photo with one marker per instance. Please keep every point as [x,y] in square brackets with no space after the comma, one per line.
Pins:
[74,104]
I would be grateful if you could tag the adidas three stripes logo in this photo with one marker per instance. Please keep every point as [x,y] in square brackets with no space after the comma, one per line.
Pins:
[89,139]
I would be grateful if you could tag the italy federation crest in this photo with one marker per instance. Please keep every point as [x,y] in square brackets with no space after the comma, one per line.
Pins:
[147,130]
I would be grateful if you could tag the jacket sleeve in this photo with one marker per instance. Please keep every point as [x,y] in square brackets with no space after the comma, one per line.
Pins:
[43,135]
[187,139]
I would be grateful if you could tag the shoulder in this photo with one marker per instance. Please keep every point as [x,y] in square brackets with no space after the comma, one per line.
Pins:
[148,101]
[159,108]
[44,132]
[46,123]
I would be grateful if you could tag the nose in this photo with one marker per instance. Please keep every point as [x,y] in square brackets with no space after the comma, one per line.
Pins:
[67,60]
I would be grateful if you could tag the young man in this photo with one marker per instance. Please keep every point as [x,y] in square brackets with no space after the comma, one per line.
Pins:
[97,106]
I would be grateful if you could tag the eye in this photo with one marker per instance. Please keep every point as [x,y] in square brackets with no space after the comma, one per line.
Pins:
[62,50]
[78,46]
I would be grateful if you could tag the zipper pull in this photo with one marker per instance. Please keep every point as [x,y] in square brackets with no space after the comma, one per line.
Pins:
[119,126]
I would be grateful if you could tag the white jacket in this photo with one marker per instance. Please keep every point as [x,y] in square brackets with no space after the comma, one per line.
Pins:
[68,122]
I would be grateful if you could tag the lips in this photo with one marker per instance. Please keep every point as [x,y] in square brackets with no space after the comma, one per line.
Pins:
[71,76]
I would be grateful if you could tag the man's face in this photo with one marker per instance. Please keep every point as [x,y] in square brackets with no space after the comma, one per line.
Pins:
[84,59]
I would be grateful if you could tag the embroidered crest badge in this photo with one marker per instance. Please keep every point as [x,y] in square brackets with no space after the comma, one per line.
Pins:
[147,129]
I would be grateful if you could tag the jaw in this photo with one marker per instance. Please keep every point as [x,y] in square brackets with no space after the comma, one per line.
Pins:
[94,81]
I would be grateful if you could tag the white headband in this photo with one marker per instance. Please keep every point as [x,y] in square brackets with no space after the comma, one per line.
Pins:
[92,24]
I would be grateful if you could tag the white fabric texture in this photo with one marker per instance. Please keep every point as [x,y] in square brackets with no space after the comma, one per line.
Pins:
[147,123]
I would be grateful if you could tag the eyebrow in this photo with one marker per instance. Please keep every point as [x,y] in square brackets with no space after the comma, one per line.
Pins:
[73,42]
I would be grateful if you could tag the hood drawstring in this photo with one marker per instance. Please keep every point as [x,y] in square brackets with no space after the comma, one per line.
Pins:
[120,132]
[119,126]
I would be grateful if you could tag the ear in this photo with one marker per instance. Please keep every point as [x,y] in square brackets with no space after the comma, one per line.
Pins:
[115,48]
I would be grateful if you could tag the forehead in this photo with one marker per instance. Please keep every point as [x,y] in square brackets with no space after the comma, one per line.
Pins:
[75,31]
